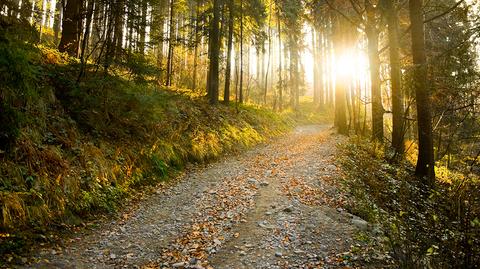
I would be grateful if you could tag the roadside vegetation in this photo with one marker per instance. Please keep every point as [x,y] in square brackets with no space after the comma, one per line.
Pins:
[424,227]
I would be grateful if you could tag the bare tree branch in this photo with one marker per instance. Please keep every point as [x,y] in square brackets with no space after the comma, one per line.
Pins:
[445,12]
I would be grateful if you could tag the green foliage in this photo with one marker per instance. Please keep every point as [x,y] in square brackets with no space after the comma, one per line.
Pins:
[16,71]
[159,167]
[140,67]
[424,227]
[17,89]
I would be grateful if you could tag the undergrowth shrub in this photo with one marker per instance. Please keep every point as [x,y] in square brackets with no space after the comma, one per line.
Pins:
[426,228]
[17,91]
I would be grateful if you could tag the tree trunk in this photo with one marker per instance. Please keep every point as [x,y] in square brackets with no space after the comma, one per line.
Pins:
[214,44]
[320,63]
[280,79]
[119,10]
[57,22]
[158,34]
[143,27]
[395,77]
[294,75]
[228,70]
[171,41]
[425,164]
[340,79]
[374,61]
[315,67]
[86,37]
[329,74]
[130,25]
[195,45]
[240,98]
[269,55]
[69,42]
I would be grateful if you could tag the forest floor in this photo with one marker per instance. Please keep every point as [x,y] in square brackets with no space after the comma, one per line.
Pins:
[279,205]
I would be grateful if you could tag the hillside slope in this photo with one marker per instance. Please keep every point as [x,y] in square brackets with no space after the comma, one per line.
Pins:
[68,148]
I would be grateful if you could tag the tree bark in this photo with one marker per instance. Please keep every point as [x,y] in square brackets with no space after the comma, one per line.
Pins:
[86,37]
[69,42]
[171,41]
[320,69]
[280,79]
[195,45]
[57,21]
[374,61]
[395,78]
[240,98]
[143,27]
[425,164]
[119,14]
[315,67]
[214,54]
[228,70]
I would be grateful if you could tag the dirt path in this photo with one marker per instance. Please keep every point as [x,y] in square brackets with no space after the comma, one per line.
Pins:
[277,206]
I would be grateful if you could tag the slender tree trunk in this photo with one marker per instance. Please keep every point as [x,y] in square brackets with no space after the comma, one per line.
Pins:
[348,98]
[340,79]
[315,68]
[294,75]
[143,27]
[171,42]
[246,93]
[86,37]
[97,28]
[358,96]
[214,41]
[320,62]
[425,164]
[57,22]
[280,79]
[330,79]
[43,18]
[119,13]
[240,98]
[287,74]
[237,72]
[130,25]
[374,61]
[228,70]
[158,34]
[195,48]
[395,77]
[109,44]
[269,54]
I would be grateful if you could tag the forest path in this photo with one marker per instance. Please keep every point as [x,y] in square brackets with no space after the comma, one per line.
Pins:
[276,206]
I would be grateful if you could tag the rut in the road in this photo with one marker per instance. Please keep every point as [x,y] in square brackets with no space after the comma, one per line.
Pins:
[277,206]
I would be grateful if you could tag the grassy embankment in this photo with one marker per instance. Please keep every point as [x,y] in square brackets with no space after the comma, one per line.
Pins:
[70,149]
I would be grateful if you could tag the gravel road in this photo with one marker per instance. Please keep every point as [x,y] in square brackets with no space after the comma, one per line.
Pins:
[276,206]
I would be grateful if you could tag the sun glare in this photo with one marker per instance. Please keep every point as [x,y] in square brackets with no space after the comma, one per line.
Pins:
[352,65]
